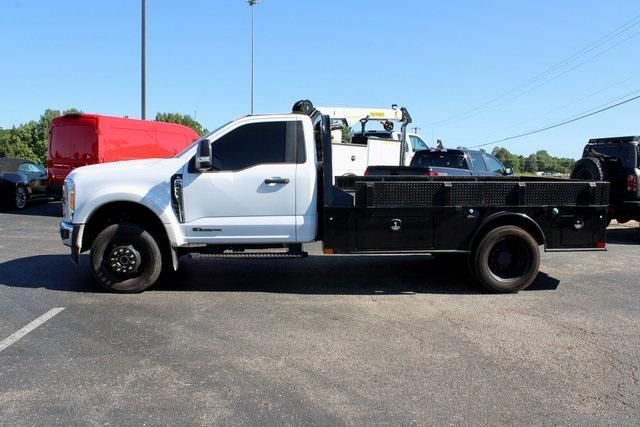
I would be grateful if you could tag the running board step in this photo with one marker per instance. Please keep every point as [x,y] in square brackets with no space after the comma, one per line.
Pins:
[250,255]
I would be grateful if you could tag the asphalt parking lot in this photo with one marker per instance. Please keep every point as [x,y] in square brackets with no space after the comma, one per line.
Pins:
[324,340]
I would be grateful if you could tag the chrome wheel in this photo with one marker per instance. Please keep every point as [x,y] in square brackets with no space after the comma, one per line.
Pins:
[21,197]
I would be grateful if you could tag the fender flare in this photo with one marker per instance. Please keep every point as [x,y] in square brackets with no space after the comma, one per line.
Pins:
[509,218]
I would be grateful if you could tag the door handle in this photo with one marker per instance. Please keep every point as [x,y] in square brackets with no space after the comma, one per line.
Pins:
[276,181]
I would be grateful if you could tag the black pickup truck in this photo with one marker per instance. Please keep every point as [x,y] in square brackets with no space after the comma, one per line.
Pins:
[446,162]
[616,160]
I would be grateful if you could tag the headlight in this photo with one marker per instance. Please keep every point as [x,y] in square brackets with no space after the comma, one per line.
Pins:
[68,199]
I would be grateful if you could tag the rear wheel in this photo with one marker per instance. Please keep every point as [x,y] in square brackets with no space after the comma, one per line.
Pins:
[507,259]
[126,258]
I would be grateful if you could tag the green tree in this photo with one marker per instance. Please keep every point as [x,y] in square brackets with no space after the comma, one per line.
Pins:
[182,119]
[346,134]
[30,140]
[508,159]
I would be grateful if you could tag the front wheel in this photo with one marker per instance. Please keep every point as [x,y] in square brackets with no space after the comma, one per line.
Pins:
[22,195]
[506,260]
[126,258]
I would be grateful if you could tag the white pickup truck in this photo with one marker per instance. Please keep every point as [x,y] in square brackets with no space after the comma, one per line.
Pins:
[370,147]
[266,182]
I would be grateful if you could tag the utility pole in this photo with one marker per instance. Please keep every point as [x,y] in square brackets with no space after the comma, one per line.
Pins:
[252,3]
[143,61]
[416,129]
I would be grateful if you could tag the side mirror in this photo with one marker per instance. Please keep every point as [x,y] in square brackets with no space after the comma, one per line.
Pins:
[508,171]
[204,157]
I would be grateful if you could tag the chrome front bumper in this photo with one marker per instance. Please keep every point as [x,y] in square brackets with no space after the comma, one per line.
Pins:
[71,235]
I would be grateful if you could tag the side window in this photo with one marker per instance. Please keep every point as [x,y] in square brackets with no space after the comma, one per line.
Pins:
[609,150]
[494,164]
[28,168]
[251,145]
[476,162]
[417,143]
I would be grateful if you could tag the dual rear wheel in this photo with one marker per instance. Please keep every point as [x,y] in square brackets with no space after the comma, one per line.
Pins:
[506,259]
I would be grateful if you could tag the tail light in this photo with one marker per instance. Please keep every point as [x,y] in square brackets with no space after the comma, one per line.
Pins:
[431,172]
[366,173]
[632,183]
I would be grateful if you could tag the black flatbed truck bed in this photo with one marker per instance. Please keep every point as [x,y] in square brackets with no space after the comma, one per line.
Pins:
[497,222]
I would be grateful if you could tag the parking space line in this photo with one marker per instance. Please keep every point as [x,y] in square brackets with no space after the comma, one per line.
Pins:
[28,328]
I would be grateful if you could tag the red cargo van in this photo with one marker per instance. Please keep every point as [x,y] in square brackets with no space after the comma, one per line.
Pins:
[84,139]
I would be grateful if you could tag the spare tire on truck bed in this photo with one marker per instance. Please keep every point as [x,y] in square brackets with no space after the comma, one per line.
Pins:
[589,169]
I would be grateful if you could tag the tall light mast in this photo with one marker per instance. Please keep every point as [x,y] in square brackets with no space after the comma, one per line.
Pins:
[252,3]
[143,61]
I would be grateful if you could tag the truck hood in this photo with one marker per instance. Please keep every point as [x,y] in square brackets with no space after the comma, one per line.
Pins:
[119,166]
[125,170]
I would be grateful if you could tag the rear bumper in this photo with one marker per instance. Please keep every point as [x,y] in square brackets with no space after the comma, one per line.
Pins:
[54,188]
[71,235]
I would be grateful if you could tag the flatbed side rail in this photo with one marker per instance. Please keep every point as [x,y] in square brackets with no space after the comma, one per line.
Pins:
[478,193]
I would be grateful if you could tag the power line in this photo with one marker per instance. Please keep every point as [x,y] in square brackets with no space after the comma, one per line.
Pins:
[568,104]
[621,29]
[548,80]
[575,119]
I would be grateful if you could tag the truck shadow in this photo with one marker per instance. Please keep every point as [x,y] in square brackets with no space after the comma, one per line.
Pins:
[338,275]
[624,236]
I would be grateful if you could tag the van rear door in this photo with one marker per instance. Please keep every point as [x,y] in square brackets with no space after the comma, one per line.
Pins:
[71,146]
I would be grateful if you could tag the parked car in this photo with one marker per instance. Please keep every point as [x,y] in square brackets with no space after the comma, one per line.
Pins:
[616,160]
[84,139]
[267,182]
[21,181]
[445,162]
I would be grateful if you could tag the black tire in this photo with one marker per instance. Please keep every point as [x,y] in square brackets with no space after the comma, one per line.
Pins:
[507,259]
[623,219]
[589,169]
[21,197]
[126,258]
[303,106]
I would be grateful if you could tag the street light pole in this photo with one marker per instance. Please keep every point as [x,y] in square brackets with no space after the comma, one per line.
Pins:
[143,61]
[251,4]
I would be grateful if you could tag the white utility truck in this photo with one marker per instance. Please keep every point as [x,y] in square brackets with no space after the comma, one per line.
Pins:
[370,147]
[266,182]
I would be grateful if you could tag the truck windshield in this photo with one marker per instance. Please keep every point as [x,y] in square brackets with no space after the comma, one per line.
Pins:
[380,134]
[417,143]
[445,159]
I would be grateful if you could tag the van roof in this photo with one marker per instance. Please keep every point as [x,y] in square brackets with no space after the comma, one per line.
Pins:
[100,120]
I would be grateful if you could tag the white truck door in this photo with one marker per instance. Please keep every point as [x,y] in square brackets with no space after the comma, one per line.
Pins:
[249,196]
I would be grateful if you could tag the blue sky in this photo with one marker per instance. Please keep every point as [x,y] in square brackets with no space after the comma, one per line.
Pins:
[437,58]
